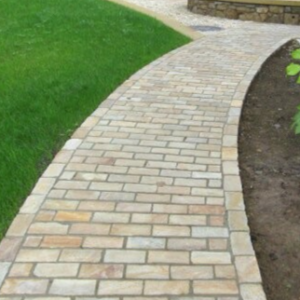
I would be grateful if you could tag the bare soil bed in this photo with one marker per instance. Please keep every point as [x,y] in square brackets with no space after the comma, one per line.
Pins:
[269,154]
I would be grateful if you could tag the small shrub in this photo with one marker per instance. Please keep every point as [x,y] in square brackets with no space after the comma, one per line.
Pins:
[293,69]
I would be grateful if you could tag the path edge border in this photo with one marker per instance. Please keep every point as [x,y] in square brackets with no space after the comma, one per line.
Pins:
[251,283]
[177,26]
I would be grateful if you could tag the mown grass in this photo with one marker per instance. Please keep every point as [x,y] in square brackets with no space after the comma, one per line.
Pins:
[58,60]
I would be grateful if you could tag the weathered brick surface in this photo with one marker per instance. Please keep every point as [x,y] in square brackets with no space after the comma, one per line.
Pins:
[145,201]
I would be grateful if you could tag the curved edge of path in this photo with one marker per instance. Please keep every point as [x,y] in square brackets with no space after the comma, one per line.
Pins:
[145,201]
[194,35]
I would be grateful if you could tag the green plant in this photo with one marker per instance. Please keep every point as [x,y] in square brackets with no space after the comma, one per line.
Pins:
[296,121]
[293,69]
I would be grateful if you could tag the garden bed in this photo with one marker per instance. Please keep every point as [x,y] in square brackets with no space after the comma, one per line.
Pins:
[270,167]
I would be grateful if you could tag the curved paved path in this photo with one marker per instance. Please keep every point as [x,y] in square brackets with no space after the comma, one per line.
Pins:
[145,201]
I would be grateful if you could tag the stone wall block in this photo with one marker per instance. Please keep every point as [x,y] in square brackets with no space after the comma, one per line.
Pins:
[276,9]
[291,19]
[262,9]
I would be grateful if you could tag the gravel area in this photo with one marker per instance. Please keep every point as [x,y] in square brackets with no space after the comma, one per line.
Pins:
[177,9]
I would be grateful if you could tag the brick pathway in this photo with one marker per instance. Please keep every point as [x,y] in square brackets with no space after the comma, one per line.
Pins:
[145,201]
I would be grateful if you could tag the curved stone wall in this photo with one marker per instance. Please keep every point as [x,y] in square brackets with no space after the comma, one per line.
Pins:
[270,11]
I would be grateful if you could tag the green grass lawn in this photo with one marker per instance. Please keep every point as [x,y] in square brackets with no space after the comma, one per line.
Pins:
[58,60]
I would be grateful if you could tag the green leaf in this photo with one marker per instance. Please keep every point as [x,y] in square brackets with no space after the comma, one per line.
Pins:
[292,69]
[298,80]
[296,122]
[296,54]
[297,129]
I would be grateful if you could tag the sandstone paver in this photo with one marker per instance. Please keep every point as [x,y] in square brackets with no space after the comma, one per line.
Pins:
[145,201]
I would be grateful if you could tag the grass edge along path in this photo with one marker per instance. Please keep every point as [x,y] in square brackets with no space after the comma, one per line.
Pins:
[59,60]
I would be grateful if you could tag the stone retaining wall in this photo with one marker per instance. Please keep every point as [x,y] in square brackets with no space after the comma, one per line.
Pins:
[286,14]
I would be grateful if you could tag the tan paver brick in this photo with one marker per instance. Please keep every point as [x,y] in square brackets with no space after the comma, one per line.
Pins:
[227,272]
[192,272]
[232,183]
[145,298]
[32,241]
[247,269]
[117,196]
[61,242]
[217,221]
[86,195]
[174,287]
[89,229]
[65,184]
[153,198]
[37,255]
[130,230]
[9,248]
[79,167]
[211,257]
[207,209]
[140,188]
[150,218]
[170,208]
[146,243]
[24,287]
[4,268]
[59,205]
[252,291]
[208,232]
[218,244]
[105,186]
[111,217]
[20,225]
[101,271]
[187,220]
[90,177]
[80,255]
[103,242]
[181,190]
[44,216]
[147,272]
[125,256]
[56,270]
[72,287]
[171,231]
[241,243]
[214,287]
[187,199]
[96,206]
[169,257]
[43,186]
[32,204]
[48,228]
[20,270]
[133,207]
[124,287]
[186,244]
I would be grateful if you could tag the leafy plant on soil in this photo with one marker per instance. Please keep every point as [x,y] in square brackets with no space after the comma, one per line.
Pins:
[293,69]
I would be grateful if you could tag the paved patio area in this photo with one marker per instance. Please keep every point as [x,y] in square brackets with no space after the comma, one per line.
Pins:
[145,201]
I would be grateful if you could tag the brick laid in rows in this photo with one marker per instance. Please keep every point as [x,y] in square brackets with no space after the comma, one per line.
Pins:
[174,287]
[101,271]
[147,272]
